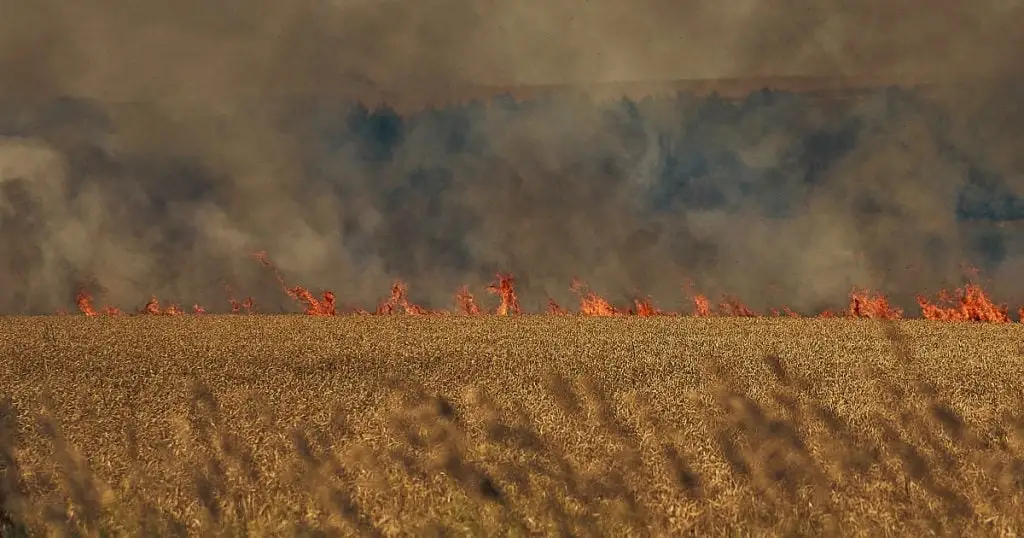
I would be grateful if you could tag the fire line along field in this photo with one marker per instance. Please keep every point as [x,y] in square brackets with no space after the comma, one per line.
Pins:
[408,421]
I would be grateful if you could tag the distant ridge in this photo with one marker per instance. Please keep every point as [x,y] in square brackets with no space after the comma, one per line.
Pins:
[817,87]
[411,98]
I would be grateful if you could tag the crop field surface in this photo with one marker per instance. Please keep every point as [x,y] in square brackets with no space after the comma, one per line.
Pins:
[509,425]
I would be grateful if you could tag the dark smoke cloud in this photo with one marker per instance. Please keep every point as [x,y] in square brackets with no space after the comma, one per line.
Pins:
[150,145]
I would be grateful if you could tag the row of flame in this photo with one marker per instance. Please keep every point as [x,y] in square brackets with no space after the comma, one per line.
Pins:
[968,303]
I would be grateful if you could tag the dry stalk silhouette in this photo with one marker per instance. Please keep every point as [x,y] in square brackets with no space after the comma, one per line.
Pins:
[570,426]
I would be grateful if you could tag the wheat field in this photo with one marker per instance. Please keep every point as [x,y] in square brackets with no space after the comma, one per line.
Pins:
[509,426]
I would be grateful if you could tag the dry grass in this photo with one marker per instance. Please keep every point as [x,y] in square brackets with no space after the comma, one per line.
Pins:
[289,425]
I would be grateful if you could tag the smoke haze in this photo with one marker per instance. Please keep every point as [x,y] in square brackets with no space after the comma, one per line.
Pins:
[149,146]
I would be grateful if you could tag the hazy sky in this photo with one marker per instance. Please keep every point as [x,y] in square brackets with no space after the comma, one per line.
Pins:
[196,49]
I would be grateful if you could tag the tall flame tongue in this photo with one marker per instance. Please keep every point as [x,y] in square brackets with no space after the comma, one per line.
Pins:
[399,299]
[505,289]
[324,306]
[84,302]
[701,306]
[465,302]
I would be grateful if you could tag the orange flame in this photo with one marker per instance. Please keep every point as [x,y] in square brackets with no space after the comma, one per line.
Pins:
[701,306]
[84,301]
[399,298]
[591,304]
[247,304]
[864,305]
[313,306]
[645,308]
[466,302]
[969,303]
[152,308]
[505,289]
[324,306]
[555,309]
[732,306]
[237,306]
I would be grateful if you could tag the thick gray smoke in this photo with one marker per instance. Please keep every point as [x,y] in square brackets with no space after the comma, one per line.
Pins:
[148,146]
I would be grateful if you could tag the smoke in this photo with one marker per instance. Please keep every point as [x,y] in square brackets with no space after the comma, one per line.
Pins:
[151,145]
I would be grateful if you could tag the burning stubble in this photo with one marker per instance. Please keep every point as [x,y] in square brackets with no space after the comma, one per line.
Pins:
[968,303]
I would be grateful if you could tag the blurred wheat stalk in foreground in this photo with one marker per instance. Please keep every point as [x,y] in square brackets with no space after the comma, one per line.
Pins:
[782,462]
